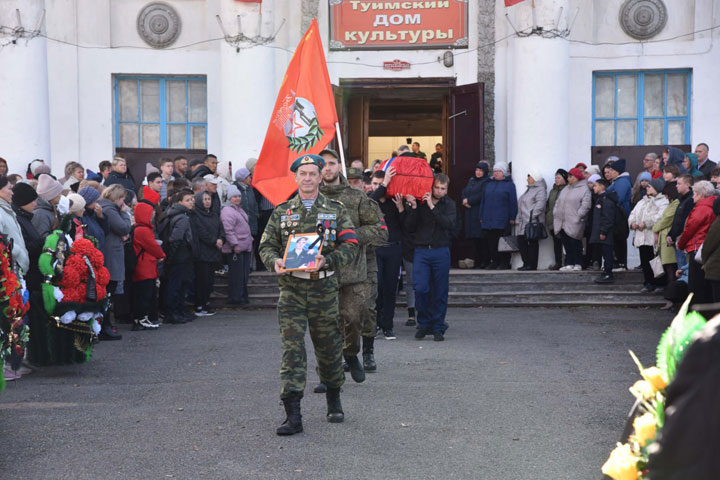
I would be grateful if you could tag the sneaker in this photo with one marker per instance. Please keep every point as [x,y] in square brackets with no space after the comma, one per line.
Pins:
[203,313]
[620,268]
[647,289]
[567,268]
[147,324]
[410,322]
[389,334]
[209,310]
[109,333]
[554,266]
[438,337]
[420,333]
[577,268]
[606,278]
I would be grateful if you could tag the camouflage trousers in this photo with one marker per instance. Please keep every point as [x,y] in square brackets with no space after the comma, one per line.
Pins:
[369,324]
[312,303]
[353,307]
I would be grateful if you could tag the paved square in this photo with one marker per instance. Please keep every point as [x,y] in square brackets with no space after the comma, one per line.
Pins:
[511,394]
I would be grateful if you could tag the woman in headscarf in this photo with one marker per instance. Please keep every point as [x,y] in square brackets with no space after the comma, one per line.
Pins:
[472,196]
[531,207]
[499,209]
[690,163]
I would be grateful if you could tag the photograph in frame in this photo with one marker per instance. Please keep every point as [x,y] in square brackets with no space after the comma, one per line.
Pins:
[301,250]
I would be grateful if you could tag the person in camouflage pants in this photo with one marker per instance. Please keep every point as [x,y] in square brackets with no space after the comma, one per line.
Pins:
[309,298]
[354,291]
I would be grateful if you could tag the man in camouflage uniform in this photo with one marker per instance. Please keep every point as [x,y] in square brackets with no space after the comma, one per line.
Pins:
[309,297]
[367,218]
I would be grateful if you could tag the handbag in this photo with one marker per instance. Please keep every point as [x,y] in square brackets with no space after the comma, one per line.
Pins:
[657,266]
[508,244]
[535,230]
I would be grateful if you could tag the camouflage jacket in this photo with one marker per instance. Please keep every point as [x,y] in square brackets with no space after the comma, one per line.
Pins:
[368,220]
[340,246]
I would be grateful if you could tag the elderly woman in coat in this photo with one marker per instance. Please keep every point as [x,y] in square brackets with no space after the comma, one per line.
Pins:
[472,196]
[117,216]
[499,209]
[641,220]
[693,236]
[569,214]
[561,178]
[531,206]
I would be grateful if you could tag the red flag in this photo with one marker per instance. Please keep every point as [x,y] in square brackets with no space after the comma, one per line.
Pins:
[510,3]
[303,120]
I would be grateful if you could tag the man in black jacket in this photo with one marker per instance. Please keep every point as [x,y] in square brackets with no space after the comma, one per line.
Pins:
[433,225]
[684,188]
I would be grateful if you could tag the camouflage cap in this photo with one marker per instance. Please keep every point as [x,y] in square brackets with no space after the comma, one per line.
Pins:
[354,173]
[307,160]
[330,151]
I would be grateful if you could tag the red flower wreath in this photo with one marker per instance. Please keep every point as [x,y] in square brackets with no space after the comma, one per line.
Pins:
[76,273]
[10,289]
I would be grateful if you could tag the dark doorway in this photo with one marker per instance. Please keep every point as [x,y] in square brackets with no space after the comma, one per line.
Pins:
[431,108]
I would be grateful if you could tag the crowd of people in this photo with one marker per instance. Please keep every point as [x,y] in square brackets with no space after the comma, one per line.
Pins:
[163,238]
[670,210]
[166,237]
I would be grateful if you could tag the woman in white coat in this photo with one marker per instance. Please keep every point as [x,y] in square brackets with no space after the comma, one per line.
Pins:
[642,219]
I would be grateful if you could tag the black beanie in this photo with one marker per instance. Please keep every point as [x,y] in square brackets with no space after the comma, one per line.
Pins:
[562,173]
[23,194]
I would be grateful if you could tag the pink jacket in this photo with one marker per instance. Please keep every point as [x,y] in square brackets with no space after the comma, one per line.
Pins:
[237,229]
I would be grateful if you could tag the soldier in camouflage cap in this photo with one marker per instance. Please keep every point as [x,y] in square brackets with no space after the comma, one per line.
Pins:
[309,297]
[367,218]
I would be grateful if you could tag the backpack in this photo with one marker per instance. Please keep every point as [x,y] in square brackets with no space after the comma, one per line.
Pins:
[131,259]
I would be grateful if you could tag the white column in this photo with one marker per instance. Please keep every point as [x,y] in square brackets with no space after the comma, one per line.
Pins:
[539,116]
[24,124]
[247,82]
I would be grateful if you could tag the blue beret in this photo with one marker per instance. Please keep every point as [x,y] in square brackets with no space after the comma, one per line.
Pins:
[307,160]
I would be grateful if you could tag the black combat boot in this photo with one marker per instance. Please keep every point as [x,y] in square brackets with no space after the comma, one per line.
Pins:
[293,420]
[335,412]
[369,354]
[321,388]
[356,369]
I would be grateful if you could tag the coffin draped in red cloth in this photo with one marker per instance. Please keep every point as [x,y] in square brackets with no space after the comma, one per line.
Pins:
[413,176]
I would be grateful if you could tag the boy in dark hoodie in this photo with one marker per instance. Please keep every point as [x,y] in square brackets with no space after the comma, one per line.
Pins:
[176,233]
[603,226]
[148,253]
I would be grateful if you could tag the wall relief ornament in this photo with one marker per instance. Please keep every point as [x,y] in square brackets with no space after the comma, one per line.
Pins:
[643,19]
[158,24]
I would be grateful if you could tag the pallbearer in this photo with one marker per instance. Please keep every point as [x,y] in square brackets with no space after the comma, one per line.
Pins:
[309,297]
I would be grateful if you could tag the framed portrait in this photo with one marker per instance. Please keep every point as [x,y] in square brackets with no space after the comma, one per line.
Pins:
[301,250]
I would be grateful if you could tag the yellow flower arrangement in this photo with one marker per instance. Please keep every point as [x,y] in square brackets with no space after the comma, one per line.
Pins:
[655,377]
[622,464]
[645,428]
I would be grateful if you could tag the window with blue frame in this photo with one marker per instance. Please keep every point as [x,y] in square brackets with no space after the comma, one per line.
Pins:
[641,108]
[160,112]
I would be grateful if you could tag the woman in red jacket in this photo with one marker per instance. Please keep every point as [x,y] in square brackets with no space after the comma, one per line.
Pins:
[693,236]
[148,253]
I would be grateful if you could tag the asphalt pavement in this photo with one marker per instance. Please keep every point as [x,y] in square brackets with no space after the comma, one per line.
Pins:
[510,394]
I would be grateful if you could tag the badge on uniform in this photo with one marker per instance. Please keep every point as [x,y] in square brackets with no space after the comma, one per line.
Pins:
[327,216]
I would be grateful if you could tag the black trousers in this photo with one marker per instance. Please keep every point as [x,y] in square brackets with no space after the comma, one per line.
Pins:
[573,249]
[144,295]
[238,277]
[607,256]
[496,258]
[558,249]
[482,252]
[528,251]
[389,260]
[696,281]
[620,248]
[646,254]
[715,287]
[204,282]
[179,278]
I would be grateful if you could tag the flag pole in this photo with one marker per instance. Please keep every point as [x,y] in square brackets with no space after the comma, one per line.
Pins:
[340,147]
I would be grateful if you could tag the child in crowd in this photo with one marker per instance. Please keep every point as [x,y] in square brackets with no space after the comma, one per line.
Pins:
[176,234]
[603,226]
[144,278]
[209,235]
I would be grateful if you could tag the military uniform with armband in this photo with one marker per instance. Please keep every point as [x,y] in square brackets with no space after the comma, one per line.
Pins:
[309,298]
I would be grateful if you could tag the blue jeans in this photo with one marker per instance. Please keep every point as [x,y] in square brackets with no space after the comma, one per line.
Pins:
[389,260]
[431,275]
